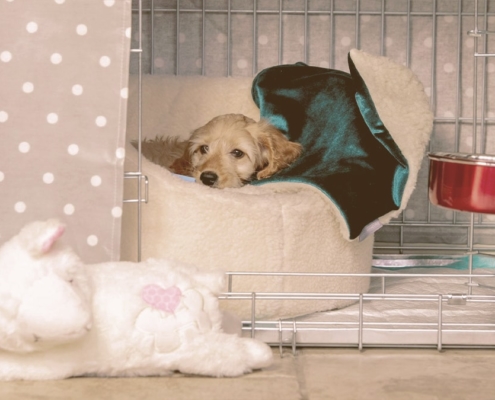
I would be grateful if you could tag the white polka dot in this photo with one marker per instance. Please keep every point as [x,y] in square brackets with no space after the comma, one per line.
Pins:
[128,33]
[105,61]
[221,38]
[120,153]
[409,214]
[124,93]
[56,58]
[5,56]
[81,29]
[324,64]
[52,118]
[2,176]
[69,209]
[95,181]
[469,42]
[448,67]
[77,90]
[263,39]
[73,149]
[60,1]
[109,3]
[4,116]
[92,240]
[448,18]
[27,87]
[101,121]
[24,147]
[20,207]
[345,41]
[32,27]
[469,92]
[182,37]
[428,42]
[117,212]
[48,178]
[389,41]
[242,63]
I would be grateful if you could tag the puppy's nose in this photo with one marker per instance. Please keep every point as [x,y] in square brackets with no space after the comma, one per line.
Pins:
[208,178]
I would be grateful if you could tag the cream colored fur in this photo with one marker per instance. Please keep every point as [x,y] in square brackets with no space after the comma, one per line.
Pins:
[229,151]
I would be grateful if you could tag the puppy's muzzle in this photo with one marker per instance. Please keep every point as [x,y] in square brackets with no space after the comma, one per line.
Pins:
[208,178]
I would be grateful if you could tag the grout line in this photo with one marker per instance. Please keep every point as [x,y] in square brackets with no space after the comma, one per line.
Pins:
[300,375]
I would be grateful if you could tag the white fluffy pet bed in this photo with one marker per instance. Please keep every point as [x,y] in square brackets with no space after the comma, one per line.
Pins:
[277,227]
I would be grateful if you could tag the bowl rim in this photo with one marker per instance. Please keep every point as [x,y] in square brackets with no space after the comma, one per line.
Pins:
[463,158]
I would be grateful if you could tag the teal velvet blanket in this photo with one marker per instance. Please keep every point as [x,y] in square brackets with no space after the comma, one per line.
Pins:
[348,152]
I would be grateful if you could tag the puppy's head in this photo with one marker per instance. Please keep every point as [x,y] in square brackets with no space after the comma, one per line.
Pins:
[231,150]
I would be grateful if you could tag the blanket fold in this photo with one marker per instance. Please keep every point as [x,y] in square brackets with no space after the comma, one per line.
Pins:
[348,152]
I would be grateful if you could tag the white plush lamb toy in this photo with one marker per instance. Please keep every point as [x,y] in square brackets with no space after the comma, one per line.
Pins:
[61,318]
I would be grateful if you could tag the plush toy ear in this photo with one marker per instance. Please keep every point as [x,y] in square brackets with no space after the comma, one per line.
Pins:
[50,237]
[277,151]
[39,237]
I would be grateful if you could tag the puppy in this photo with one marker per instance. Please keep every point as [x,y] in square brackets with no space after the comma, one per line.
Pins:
[228,152]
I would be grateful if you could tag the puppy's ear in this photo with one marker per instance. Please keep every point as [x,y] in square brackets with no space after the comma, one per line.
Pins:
[182,165]
[277,152]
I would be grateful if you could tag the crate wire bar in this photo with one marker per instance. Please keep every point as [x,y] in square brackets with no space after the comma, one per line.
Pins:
[273,331]
[399,236]
[138,175]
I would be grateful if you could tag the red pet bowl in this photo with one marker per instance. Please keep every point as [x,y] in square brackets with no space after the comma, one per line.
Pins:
[464,182]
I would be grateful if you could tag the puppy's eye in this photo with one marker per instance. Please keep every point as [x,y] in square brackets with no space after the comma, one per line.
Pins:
[237,153]
[203,149]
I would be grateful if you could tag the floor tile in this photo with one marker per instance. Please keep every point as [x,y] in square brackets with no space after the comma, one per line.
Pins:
[313,374]
[398,374]
[280,378]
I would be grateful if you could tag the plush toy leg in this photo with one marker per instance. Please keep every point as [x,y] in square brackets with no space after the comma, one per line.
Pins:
[220,354]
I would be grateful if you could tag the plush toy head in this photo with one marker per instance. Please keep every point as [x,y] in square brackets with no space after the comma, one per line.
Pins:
[110,319]
[44,295]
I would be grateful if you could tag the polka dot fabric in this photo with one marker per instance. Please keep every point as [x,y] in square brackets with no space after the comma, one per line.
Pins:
[64,69]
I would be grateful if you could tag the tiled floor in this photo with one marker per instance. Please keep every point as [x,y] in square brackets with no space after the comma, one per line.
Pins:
[313,374]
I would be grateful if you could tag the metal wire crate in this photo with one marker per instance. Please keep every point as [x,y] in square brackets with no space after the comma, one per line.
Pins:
[446,43]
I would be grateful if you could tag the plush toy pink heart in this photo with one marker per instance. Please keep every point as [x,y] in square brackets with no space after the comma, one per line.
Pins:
[162,299]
